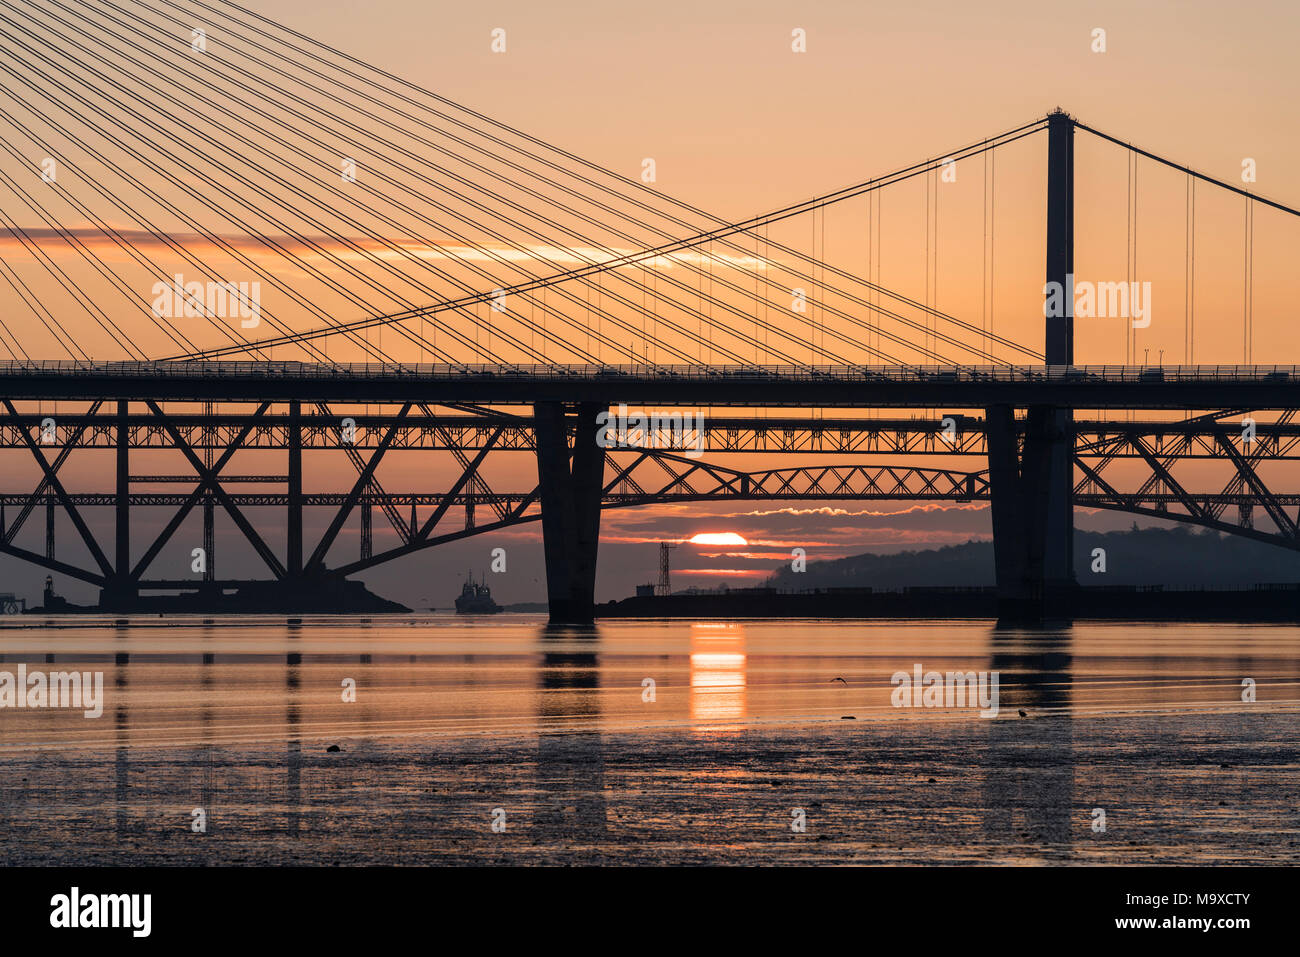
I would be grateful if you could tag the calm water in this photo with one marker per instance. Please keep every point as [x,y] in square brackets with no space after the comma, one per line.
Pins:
[553,733]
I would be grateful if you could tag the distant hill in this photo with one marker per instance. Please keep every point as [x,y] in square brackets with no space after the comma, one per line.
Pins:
[1147,556]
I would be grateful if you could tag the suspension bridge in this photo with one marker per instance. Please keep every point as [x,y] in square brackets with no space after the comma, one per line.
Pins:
[211,222]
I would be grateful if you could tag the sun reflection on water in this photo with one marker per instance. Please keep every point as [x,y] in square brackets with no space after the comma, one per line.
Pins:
[717,672]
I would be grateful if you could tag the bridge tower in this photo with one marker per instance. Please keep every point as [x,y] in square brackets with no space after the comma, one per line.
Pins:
[570,482]
[1031,485]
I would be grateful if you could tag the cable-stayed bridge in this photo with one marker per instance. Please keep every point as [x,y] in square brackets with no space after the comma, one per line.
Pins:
[220,236]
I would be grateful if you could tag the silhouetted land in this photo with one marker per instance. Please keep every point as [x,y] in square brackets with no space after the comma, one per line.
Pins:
[1148,574]
[1279,603]
[330,595]
[1148,556]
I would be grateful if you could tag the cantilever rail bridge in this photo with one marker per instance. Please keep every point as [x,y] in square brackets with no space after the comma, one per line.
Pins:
[285,406]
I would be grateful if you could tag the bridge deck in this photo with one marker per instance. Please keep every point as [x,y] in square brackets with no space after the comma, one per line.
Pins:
[958,386]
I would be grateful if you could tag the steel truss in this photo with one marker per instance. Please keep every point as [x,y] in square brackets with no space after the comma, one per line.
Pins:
[633,477]
[435,430]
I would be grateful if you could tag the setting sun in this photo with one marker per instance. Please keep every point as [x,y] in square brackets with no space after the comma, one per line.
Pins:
[718,538]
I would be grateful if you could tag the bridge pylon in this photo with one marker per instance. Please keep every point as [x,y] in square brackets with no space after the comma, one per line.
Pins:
[571,482]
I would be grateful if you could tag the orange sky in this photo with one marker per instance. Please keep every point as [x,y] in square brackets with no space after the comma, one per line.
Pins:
[737,123]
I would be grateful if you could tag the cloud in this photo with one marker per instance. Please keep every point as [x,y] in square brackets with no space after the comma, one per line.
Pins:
[314,246]
[742,572]
[832,510]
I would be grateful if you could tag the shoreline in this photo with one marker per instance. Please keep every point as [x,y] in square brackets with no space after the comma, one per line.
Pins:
[1262,603]
[988,793]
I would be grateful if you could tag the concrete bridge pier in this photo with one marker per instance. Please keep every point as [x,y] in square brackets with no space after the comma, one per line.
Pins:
[1033,516]
[571,480]
[119,591]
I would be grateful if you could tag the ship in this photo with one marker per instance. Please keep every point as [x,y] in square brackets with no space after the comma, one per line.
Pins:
[476,599]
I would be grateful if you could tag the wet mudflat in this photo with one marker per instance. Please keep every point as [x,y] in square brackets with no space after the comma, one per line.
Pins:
[556,739]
